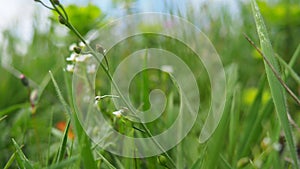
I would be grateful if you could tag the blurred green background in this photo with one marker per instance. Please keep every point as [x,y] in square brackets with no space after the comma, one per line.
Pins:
[223,23]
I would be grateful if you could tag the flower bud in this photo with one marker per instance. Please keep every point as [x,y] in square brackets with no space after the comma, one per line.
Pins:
[61,20]
[34,96]
[56,2]
[162,160]
[100,49]
[77,49]
[243,162]
[24,80]
[33,99]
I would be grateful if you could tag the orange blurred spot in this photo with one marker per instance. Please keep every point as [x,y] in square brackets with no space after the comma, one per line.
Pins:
[62,125]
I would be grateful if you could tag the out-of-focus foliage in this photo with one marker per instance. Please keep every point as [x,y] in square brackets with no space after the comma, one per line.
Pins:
[83,18]
[250,115]
[284,25]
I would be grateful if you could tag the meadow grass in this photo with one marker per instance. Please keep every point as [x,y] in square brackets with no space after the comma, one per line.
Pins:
[255,130]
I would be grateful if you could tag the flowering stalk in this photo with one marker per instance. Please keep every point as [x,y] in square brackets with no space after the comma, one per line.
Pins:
[63,18]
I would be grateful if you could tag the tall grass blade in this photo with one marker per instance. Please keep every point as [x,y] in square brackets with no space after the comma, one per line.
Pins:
[295,56]
[21,158]
[86,153]
[84,142]
[289,70]
[277,90]
[10,161]
[226,163]
[63,146]
[254,118]
[60,96]
[106,161]
[215,147]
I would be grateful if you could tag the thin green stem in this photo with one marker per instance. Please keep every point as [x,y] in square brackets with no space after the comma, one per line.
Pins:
[63,9]
[55,8]
[45,5]
[277,75]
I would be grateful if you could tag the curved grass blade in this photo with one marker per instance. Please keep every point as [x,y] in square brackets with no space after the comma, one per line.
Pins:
[60,96]
[21,158]
[277,90]
[84,142]
[63,146]
[10,161]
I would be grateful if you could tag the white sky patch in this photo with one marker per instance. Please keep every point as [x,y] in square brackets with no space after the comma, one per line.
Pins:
[19,14]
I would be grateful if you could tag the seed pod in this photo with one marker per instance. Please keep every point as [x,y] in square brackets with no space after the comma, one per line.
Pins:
[61,20]
[77,49]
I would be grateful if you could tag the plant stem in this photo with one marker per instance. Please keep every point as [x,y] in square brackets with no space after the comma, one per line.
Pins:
[94,53]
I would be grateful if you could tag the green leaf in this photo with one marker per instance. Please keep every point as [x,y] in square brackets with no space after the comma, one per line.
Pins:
[277,90]
[63,146]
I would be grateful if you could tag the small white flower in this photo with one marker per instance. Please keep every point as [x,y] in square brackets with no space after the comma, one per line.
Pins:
[72,57]
[91,68]
[167,68]
[267,141]
[81,44]
[70,68]
[82,58]
[88,55]
[118,113]
[72,46]
[277,146]
[257,163]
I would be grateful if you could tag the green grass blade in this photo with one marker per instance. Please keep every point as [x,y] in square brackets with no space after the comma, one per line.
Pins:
[21,158]
[13,108]
[215,147]
[65,163]
[277,90]
[60,96]
[84,141]
[10,161]
[86,154]
[253,118]
[295,56]
[106,161]
[289,70]
[63,146]
[3,117]
[226,163]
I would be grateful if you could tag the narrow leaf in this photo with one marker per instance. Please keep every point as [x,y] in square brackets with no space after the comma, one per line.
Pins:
[277,90]
[21,158]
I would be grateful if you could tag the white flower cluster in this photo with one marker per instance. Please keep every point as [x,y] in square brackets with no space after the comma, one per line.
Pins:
[79,57]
